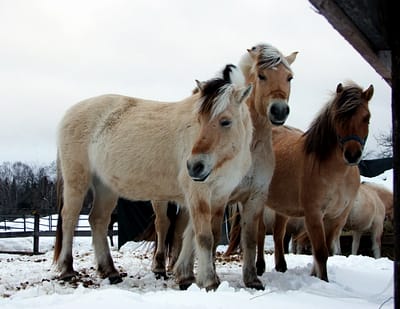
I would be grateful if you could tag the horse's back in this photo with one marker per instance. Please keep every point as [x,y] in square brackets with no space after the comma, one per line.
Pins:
[125,142]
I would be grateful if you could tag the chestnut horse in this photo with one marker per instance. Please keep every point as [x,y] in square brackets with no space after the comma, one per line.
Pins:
[316,174]
[195,152]
[269,72]
[372,204]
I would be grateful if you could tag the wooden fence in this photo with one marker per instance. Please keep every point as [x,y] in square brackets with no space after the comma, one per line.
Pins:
[33,226]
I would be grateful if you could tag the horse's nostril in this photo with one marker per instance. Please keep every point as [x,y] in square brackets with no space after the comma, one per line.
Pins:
[352,157]
[198,168]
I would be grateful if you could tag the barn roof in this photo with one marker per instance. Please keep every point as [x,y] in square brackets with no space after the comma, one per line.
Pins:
[360,23]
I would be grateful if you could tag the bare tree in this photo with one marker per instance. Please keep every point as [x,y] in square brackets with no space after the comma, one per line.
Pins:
[385,142]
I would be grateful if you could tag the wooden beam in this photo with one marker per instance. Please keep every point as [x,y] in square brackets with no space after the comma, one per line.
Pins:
[379,60]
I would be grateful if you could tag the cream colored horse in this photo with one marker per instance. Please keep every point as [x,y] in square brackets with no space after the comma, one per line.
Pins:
[373,203]
[195,152]
[269,72]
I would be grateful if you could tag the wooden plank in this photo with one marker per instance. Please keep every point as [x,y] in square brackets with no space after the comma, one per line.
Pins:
[379,60]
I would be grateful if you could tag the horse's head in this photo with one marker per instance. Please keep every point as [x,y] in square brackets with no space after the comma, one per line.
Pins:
[225,126]
[351,120]
[269,71]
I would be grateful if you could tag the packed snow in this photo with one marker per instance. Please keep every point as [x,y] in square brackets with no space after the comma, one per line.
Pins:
[30,281]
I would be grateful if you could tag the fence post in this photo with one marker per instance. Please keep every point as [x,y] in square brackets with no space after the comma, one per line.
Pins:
[36,233]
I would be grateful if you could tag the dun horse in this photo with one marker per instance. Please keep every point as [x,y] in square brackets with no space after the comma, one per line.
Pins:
[269,71]
[195,152]
[372,204]
[316,174]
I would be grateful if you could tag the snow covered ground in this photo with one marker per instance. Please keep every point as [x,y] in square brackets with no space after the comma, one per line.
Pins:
[30,281]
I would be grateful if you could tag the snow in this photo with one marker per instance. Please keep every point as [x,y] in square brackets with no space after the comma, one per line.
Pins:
[30,281]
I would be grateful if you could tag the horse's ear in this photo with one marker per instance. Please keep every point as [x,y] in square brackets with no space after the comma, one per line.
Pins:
[200,85]
[367,94]
[244,92]
[252,52]
[339,88]
[292,57]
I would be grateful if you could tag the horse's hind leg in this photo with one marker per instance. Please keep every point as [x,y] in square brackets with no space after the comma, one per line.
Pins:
[260,261]
[355,244]
[73,202]
[104,203]
[181,223]
[162,224]
[376,236]
[279,234]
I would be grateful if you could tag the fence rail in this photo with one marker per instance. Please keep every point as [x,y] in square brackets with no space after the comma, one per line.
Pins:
[35,226]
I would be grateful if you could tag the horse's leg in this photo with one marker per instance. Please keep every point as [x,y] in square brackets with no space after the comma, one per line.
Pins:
[279,234]
[201,215]
[162,225]
[181,223]
[73,202]
[183,268]
[100,215]
[252,212]
[75,187]
[333,228]
[316,233]
[376,236]
[356,242]
[260,261]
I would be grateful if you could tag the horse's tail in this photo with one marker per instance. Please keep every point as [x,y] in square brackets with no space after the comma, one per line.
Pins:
[234,234]
[60,204]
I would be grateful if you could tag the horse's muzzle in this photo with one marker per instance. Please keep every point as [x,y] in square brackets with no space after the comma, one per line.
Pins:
[198,168]
[278,112]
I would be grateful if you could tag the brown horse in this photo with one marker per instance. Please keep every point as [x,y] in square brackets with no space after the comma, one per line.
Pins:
[316,173]
[195,152]
[270,74]
[372,204]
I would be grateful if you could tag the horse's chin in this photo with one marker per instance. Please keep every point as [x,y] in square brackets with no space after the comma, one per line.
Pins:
[278,123]
[201,179]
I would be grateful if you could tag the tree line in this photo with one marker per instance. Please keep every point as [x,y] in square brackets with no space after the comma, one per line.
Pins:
[28,188]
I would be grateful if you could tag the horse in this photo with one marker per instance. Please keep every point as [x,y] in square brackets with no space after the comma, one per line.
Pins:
[195,152]
[316,174]
[269,71]
[368,214]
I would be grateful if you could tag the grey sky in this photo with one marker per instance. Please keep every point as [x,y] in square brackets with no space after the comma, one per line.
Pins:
[56,53]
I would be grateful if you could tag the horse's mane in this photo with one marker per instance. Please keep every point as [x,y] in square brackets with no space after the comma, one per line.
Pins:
[321,138]
[268,57]
[215,92]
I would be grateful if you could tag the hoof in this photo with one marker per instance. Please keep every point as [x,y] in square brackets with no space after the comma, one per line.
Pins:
[68,276]
[212,287]
[161,275]
[115,279]
[184,284]
[281,267]
[260,266]
[256,284]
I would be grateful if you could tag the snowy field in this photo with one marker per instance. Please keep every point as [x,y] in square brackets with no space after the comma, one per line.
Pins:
[30,281]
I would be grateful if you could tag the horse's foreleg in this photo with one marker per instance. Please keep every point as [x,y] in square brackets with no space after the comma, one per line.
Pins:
[201,215]
[183,268]
[279,234]
[260,261]
[251,214]
[99,218]
[316,233]
[162,224]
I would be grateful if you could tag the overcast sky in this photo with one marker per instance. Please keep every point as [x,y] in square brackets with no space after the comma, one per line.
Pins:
[56,53]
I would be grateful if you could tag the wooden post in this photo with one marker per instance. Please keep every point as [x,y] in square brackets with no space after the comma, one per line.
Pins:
[36,233]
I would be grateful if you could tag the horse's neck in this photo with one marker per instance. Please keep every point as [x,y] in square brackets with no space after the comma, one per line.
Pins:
[262,132]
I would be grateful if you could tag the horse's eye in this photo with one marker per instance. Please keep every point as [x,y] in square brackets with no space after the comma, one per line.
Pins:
[261,77]
[225,123]
[290,78]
